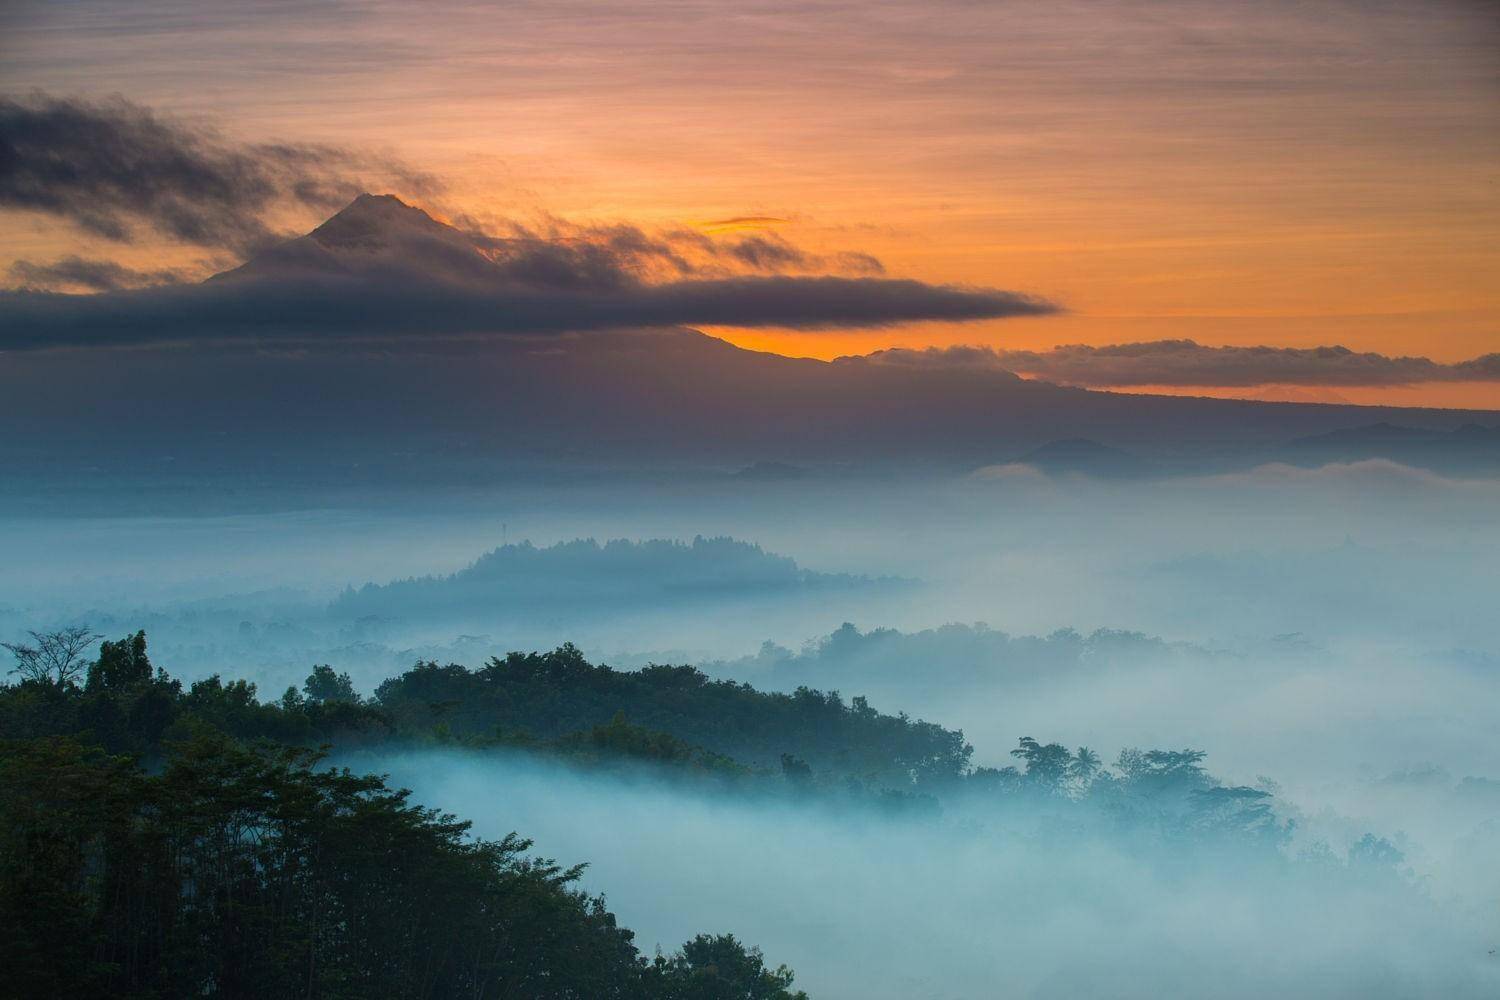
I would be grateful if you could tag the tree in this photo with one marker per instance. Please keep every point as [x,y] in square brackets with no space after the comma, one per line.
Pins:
[241,871]
[719,967]
[1375,854]
[1085,766]
[796,771]
[1163,771]
[323,685]
[1237,811]
[1047,766]
[52,657]
[121,665]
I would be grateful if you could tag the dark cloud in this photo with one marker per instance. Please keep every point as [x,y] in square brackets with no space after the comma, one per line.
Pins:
[113,167]
[91,274]
[385,270]
[380,268]
[859,263]
[1186,363]
[769,252]
[667,253]
[744,222]
[417,309]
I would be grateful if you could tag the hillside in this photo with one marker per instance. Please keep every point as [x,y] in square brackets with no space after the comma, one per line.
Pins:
[618,573]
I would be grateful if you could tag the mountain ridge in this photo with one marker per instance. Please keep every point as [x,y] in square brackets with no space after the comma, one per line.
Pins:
[484,391]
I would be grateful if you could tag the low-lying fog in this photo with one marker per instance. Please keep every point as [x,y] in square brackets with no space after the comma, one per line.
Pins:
[1331,633]
[1368,551]
[864,906]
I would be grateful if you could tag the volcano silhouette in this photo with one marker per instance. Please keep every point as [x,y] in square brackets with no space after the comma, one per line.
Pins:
[486,382]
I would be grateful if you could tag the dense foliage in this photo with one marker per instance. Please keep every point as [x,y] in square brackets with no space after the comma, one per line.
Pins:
[554,702]
[158,840]
[241,869]
[889,660]
[552,694]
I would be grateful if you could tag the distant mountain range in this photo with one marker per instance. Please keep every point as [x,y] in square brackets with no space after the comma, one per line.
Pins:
[1468,449]
[473,409]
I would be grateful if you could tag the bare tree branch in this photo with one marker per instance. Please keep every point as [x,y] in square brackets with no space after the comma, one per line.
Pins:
[55,657]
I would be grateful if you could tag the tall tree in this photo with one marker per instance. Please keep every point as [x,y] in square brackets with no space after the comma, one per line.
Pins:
[1047,765]
[1085,766]
[121,664]
[52,657]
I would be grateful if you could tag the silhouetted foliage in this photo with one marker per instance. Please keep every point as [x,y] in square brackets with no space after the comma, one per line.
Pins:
[673,718]
[554,694]
[1047,766]
[121,665]
[887,660]
[719,967]
[240,872]
[324,686]
[238,867]
[618,573]
[53,657]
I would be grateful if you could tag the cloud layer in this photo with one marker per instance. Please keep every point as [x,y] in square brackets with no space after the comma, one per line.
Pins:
[114,169]
[93,274]
[381,269]
[1187,363]
[384,270]
[325,309]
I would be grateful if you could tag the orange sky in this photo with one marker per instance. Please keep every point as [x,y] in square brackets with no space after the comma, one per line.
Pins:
[1292,174]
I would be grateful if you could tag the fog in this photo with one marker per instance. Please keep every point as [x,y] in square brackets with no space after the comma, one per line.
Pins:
[1364,553]
[975,904]
[1326,633]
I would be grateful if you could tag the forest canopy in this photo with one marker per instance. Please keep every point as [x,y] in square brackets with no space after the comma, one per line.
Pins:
[169,840]
[239,865]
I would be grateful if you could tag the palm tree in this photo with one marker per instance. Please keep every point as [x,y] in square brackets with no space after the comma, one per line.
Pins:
[1085,766]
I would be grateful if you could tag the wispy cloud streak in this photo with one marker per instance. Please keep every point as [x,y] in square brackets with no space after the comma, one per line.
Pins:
[1187,363]
[115,169]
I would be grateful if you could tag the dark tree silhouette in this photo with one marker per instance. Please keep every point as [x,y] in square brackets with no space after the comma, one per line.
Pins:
[52,657]
[323,685]
[1047,766]
[121,664]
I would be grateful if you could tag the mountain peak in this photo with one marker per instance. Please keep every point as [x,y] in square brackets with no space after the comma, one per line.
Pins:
[367,221]
[374,233]
[368,199]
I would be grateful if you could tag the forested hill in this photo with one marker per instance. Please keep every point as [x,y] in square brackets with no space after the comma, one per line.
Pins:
[246,869]
[555,701]
[617,573]
[673,720]
[549,695]
[167,841]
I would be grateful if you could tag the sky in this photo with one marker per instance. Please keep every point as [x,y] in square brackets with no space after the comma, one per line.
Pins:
[1291,175]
